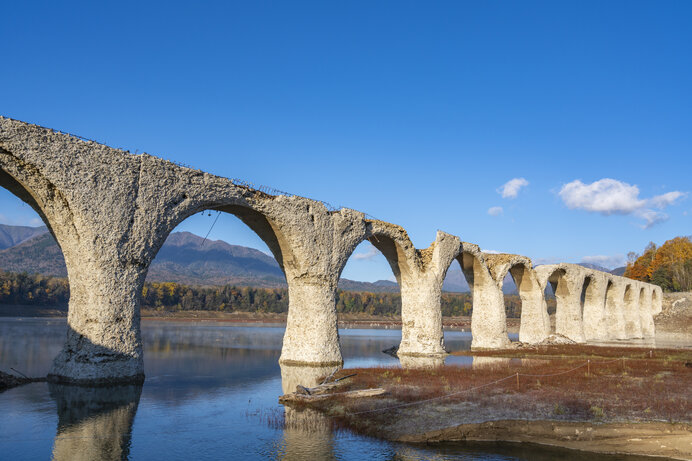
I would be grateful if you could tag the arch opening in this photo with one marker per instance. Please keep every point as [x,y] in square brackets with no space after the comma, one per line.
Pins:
[363,287]
[33,274]
[220,260]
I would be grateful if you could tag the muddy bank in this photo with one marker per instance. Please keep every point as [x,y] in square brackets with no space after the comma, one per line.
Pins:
[671,440]
[607,400]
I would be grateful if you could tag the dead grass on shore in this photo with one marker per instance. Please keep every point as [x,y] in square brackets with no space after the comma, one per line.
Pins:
[633,390]
[582,351]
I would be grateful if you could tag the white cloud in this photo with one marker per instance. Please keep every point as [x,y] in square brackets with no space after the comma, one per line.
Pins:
[610,196]
[669,198]
[511,188]
[368,255]
[495,211]
[491,252]
[607,261]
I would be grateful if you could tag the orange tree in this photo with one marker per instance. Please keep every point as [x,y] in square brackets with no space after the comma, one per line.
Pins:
[669,266]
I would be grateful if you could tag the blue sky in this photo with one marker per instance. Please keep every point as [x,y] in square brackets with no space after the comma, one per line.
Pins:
[418,113]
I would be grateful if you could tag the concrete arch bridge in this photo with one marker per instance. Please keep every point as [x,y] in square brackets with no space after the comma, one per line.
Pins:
[111,211]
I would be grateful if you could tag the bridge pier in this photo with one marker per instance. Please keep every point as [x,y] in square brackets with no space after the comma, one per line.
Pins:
[615,319]
[312,335]
[104,343]
[489,318]
[535,323]
[646,317]
[593,315]
[633,326]
[421,297]
[567,282]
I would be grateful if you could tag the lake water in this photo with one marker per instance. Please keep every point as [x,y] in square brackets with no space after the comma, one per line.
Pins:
[211,392]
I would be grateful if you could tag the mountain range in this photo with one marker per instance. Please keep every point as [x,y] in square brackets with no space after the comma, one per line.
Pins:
[188,259]
[184,258]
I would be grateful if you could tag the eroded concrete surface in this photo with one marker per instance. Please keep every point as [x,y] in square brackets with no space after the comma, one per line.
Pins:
[111,211]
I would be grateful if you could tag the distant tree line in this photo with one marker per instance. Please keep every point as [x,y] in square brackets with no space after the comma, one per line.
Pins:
[38,290]
[668,266]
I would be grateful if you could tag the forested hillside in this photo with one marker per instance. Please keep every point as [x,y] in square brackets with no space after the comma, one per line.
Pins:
[37,290]
[668,266]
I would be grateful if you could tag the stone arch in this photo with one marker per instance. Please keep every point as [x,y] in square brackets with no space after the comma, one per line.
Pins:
[488,318]
[254,219]
[646,312]
[656,299]
[593,296]
[26,182]
[420,274]
[615,297]
[284,224]
[631,311]
[103,344]
[567,282]
[535,323]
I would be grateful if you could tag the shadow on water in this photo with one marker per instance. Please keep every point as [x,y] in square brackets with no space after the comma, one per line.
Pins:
[94,422]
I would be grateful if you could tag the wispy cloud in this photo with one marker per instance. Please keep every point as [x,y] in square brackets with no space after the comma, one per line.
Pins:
[607,261]
[491,252]
[511,188]
[548,260]
[32,222]
[610,196]
[495,211]
[368,255]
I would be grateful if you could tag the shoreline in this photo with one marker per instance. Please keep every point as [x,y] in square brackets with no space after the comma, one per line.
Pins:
[659,439]
[345,320]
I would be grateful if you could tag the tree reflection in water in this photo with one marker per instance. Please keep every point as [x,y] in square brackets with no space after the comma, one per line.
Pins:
[94,422]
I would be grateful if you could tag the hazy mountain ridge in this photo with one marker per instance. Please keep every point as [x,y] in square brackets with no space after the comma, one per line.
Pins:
[188,259]
[14,235]
[185,258]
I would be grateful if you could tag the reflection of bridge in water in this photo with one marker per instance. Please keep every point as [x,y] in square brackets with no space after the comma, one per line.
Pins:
[110,211]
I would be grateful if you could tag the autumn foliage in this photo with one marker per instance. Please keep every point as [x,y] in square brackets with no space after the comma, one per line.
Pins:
[669,266]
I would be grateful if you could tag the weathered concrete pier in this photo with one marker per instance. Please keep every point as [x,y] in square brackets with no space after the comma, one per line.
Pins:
[111,211]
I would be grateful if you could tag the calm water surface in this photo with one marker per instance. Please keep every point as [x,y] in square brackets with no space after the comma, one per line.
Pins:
[210,393]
